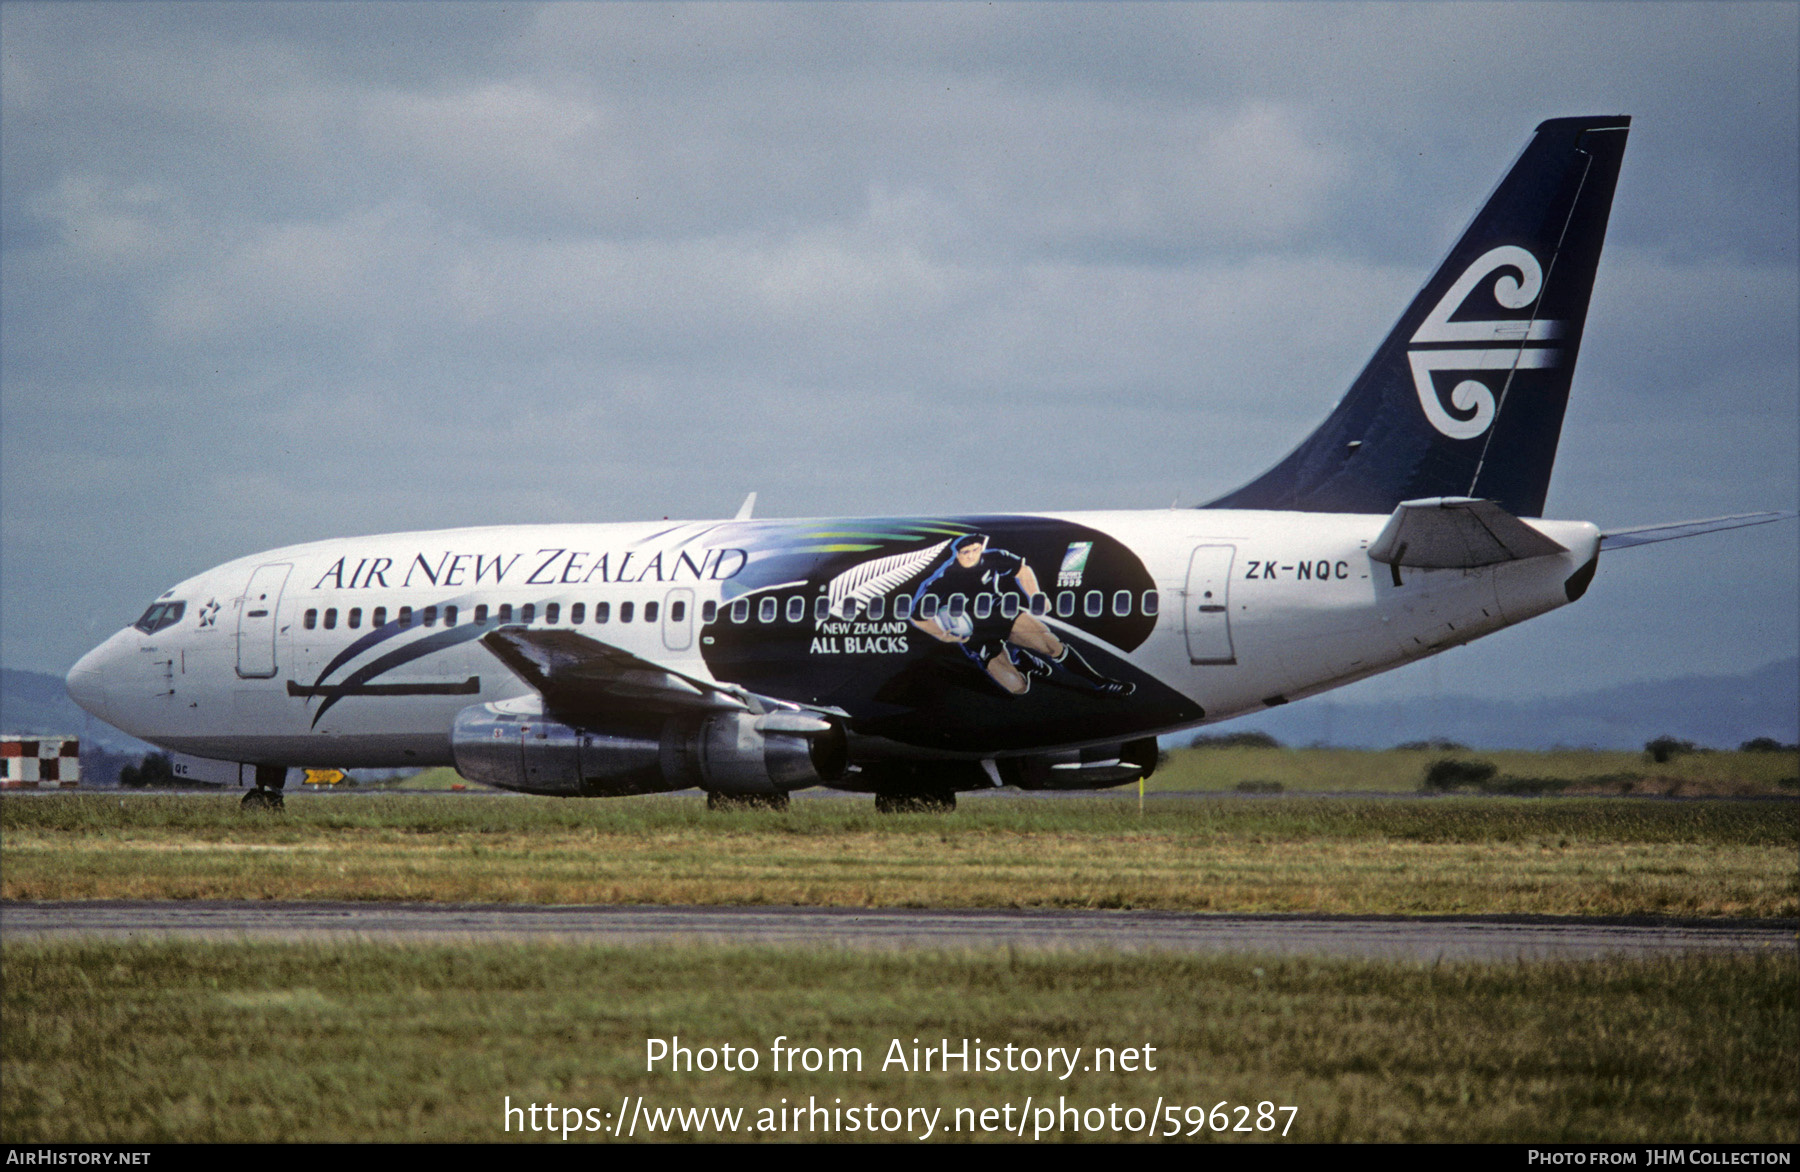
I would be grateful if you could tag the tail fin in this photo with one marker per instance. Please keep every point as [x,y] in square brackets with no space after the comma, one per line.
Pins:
[1465,398]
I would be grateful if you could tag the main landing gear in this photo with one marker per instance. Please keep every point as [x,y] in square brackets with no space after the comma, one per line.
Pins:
[267,794]
[721,801]
[915,801]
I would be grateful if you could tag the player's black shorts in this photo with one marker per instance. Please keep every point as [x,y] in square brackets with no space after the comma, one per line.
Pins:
[989,639]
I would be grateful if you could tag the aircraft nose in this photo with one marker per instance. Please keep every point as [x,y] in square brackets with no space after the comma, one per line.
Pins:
[87,681]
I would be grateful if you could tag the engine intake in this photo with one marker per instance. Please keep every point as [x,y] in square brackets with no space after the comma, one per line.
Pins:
[514,746]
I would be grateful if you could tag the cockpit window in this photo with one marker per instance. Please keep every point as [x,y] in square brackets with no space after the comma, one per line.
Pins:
[160,615]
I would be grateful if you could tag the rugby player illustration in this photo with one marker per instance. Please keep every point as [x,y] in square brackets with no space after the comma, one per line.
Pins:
[986,602]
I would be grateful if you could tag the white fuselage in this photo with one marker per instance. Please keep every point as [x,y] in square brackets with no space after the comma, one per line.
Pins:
[1251,609]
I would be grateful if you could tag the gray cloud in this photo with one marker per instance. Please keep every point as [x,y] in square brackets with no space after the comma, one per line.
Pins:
[275,272]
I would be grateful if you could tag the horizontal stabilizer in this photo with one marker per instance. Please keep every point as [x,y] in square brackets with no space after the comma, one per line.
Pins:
[576,674]
[1457,533]
[1647,534]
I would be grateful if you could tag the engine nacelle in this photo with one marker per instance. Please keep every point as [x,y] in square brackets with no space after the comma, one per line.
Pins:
[1092,768]
[515,746]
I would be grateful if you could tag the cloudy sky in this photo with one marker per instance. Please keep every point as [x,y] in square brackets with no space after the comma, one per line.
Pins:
[281,272]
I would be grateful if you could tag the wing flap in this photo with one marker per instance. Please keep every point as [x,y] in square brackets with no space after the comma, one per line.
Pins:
[1457,533]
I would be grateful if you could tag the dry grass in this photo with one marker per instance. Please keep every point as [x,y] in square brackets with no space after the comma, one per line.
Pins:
[1721,774]
[1437,856]
[166,1041]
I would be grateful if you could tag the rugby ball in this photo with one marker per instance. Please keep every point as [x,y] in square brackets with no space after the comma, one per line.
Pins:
[959,626]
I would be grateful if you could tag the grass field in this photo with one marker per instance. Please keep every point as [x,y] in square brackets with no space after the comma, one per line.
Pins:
[161,1040]
[1564,856]
[214,1042]
[1585,771]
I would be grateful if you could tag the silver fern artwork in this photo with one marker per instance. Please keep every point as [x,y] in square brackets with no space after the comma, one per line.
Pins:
[853,588]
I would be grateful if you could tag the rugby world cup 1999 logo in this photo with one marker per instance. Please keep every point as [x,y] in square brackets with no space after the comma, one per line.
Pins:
[1074,564]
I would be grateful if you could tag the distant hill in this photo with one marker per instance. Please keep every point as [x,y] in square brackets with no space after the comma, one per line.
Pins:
[1720,712]
[32,702]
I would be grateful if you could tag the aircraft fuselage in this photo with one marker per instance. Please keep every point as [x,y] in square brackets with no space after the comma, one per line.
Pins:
[361,652]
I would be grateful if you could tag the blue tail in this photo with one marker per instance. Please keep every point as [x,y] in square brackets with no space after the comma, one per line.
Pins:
[1466,395]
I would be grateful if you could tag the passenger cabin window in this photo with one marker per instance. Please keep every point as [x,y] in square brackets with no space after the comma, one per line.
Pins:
[311,620]
[355,617]
[928,607]
[528,612]
[822,608]
[649,612]
[428,616]
[876,606]
[765,611]
[1065,604]
[1009,606]
[481,615]
[552,612]
[740,610]
[902,607]
[678,611]
[625,609]
[602,611]
[796,609]
[331,618]
[984,605]
[449,616]
[379,618]
[405,619]
[709,612]
[505,615]
[578,613]
[1152,602]
[1122,603]
[1093,603]
[1040,604]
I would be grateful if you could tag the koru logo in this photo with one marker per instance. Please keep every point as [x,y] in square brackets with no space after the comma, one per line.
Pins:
[1506,347]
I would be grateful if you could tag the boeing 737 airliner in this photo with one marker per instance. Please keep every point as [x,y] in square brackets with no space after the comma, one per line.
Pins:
[913,657]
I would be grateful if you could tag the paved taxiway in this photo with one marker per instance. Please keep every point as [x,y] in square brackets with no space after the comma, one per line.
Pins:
[1411,938]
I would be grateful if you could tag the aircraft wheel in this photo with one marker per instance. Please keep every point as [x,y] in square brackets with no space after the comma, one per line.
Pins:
[722,801]
[263,799]
[926,802]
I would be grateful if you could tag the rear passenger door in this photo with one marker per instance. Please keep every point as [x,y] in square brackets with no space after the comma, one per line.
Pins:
[1206,611]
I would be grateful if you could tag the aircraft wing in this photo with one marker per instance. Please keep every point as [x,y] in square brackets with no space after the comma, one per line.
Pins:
[1456,533]
[575,673]
[1646,534]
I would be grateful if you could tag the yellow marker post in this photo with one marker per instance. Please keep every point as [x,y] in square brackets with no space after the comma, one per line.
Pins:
[324,777]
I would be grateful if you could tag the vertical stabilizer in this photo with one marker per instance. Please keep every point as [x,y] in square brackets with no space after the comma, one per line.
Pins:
[1465,398]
